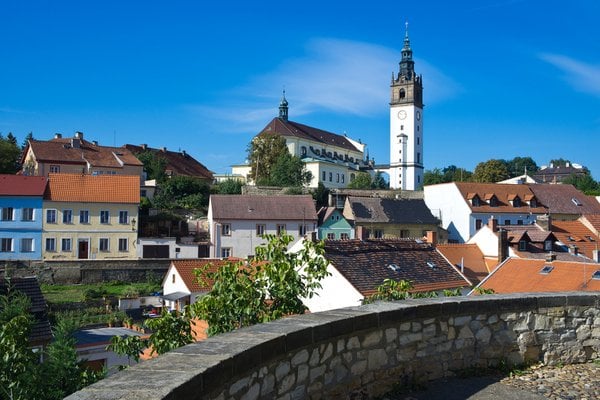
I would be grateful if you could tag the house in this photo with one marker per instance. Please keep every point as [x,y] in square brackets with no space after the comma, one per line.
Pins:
[517,275]
[391,218]
[577,238]
[557,173]
[332,225]
[333,160]
[90,216]
[178,163]
[464,207]
[21,217]
[565,202]
[237,223]
[358,267]
[78,156]
[41,332]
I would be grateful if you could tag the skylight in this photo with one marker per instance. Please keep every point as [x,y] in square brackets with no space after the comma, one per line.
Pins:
[394,267]
[431,265]
[575,201]
[596,275]
[546,270]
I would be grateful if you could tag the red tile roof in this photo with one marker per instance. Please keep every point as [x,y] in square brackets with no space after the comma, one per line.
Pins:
[575,233]
[288,128]
[186,269]
[564,199]
[517,275]
[245,207]
[469,256]
[366,263]
[80,151]
[21,185]
[93,188]
[504,193]
[180,163]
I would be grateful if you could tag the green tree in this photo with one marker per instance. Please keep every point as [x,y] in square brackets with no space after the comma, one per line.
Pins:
[362,181]
[154,165]
[391,290]
[10,154]
[269,287]
[263,152]
[518,165]
[321,195]
[228,186]
[584,183]
[183,192]
[559,162]
[491,171]
[433,177]
[379,181]
[28,137]
[452,173]
[288,171]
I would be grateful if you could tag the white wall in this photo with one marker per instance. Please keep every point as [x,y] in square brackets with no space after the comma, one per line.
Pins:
[336,292]
[446,202]
[185,250]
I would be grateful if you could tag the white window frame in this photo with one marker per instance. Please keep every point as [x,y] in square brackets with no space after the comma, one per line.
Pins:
[125,247]
[51,216]
[123,217]
[67,217]
[260,229]
[101,247]
[50,244]
[28,214]
[280,229]
[30,246]
[6,245]
[54,169]
[67,248]
[85,213]
[105,221]
[8,214]
[226,252]
[226,229]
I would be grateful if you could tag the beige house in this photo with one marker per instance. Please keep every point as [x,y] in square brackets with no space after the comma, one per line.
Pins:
[90,217]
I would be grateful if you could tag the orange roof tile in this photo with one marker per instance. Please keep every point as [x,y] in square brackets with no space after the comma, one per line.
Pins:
[517,275]
[186,269]
[503,193]
[469,256]
[585,239]
[93,189]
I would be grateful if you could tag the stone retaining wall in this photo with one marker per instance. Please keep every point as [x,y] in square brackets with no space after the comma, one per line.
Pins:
[362,352]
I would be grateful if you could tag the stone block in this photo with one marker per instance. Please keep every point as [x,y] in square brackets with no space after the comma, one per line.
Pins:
[300,357]
[302,373]
[377,358]
[252,393]
[316,373]
[282,369]
[371,339]
[285,384]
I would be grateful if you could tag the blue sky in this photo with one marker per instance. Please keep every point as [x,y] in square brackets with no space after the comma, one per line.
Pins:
[502,78]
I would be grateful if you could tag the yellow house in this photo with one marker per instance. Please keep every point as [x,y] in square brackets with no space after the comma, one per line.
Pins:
[90,217]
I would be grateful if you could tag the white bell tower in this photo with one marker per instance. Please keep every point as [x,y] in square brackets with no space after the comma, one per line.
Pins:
[406,124]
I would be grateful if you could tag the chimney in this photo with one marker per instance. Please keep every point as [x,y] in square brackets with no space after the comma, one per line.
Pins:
[493,224]
[550,257]
[573,250]
[75,143]
[544,222]
[95,142]
[502,245]
[431,237]
[58,136]
[596,255]
[184,153]
[144,146]
[360,232]
[79,135]
[164,149]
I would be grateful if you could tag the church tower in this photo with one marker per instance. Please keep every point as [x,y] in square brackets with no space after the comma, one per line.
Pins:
[406,124]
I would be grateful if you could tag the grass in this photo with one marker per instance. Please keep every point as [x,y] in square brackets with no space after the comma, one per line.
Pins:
[59,294]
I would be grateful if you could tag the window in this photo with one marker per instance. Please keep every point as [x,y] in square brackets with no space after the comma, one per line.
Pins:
[379,233]
[323,176]
[280,229]
[337,178]
[67,216]
[519,222]
[50,244]
[507,222]
[344,236]
[123,217]
[173,278]
[402,93]
[418,157]
[104,216]
[475,201]
[27,214]
[65,244]
[143,193]
[330,236]
[494,201]
[477,224]
[596,275]
[548,245]
[54,169]
[301,229]
[226,229]
[352,176]
[522,245]
[418,140]
[26,245]
[404,233]
[303,150]
[6,245]
[546,270]
[260,229]
[7,214]
[343,178]
[226,252]
[51,216]
[103,244]
[331,177]
[533,203]
[84,216]
[123,244]
[517,202]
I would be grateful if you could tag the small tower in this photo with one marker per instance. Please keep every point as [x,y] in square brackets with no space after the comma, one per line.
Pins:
[283,108]
[406,124]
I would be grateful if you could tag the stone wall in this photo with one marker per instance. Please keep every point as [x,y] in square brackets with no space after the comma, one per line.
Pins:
[89,271]
[362,352]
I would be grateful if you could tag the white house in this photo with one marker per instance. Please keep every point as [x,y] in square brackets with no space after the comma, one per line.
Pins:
[237,223]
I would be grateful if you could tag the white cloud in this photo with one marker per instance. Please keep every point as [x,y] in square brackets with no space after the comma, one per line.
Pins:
[581,76]
[335,76]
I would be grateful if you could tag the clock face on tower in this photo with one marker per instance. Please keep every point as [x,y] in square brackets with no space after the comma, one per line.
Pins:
[418,115]
[401,114]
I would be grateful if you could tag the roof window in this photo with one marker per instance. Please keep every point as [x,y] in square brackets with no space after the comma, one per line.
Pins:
[431,265]
[576,202]
[546,270]
[596,275]
[394,267]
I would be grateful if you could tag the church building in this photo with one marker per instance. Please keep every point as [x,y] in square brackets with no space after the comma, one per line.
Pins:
[406,124]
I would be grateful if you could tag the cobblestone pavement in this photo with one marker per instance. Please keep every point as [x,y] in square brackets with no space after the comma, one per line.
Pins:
[570,382]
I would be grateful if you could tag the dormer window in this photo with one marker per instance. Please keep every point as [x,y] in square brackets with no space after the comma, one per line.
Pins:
[522,245]
[533,203]
[516,202]
[548,245]
[493,201]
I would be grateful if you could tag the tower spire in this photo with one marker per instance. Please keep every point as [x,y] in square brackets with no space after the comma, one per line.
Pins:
[407,65]
[283,107]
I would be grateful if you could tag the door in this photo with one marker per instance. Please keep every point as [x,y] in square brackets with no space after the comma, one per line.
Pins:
[82,249]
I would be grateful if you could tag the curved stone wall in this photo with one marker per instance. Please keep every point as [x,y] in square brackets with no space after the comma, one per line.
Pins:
[365,351]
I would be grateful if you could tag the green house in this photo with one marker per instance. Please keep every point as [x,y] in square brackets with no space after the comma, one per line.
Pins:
[333,226]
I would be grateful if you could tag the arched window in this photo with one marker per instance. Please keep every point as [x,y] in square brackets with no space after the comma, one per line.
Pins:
[303,150]
[402,93]
[352,176]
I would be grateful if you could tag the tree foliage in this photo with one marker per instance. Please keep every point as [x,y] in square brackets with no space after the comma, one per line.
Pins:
[263,152]
[269,287]
[228,186]
[584,183]
[362,180]
[288,171]
[10,154]
[321,195]
[520,165]
[183,192]
[491,171]
[154,165]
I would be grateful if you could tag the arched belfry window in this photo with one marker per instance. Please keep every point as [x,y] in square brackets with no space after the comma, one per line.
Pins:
[402,93]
